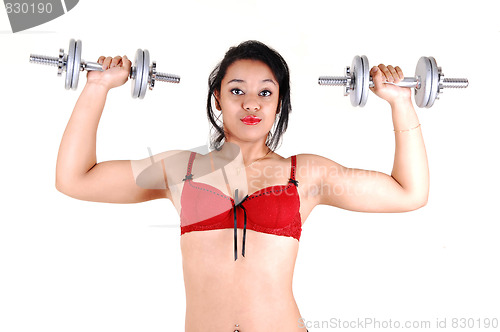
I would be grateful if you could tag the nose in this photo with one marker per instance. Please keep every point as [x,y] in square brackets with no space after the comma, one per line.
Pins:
[251,104]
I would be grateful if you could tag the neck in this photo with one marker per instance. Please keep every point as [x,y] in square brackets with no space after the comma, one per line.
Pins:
[249,151]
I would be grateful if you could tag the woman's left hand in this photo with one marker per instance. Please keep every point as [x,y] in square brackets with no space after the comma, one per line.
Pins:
[382,74]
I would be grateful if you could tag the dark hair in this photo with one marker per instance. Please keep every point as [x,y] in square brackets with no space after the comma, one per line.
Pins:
[252,50]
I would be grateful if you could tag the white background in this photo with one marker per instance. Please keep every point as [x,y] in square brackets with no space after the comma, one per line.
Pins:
[69,265]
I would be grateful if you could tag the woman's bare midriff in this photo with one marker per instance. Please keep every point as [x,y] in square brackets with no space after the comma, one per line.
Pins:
[254,292]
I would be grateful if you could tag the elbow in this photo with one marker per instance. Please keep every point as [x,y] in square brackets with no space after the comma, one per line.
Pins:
[417,202]
[420,204]
[66,187]
[62,187]
[60,183]
[425,199]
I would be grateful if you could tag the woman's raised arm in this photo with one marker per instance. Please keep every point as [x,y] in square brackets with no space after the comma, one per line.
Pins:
[77,172]
[407,187]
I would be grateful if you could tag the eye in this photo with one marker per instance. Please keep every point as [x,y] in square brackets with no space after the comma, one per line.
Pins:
[236,91]
[265,93]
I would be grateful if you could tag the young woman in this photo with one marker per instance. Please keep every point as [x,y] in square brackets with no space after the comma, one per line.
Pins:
[242,206]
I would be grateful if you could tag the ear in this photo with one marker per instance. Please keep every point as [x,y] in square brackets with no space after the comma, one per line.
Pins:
[278,110]
[217,98]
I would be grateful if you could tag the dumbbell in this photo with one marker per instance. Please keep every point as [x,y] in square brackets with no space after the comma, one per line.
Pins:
[428,82]
[142,73]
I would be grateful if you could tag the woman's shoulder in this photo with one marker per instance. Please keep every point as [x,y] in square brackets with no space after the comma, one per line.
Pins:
[309,158]
[171,161]
[312,158]
[315,165]
[306,159]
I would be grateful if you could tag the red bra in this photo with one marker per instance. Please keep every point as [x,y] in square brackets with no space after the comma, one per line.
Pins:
[271,210]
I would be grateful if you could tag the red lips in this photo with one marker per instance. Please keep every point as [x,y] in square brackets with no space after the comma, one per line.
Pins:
[250,120]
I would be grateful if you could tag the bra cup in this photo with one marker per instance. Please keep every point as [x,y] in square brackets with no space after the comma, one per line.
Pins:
[274,208]
[201,205]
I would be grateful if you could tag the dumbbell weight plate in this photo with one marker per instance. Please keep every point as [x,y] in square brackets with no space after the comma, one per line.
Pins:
[434,81]
[145,75]
[366,81]
[137,79]
[357,73]
[424,71]
[70,61]
[76,64]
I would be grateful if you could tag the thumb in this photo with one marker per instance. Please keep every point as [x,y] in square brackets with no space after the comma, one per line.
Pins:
[127,64]
[377,77]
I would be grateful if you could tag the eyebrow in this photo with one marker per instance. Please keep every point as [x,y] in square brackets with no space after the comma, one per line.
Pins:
[236,80]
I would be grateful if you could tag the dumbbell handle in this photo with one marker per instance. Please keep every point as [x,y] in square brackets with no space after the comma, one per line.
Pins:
[407,82]
[413,82]
[94,66]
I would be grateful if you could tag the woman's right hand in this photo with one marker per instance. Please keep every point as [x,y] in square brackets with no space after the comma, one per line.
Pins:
[115,72]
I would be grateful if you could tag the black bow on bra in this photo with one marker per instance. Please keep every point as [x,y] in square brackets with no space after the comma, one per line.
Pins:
[239,204]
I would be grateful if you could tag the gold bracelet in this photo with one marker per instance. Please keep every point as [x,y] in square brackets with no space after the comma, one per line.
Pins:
[403,131]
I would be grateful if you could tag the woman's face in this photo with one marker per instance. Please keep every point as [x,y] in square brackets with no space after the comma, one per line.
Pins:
[248,99]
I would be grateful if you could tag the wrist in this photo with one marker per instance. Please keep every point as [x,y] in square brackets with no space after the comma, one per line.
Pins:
[98,86]
[402,101]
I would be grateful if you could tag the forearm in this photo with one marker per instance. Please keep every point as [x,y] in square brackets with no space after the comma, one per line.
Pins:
[410,167]
[77,152]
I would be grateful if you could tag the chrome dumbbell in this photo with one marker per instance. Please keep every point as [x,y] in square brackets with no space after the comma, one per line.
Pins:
[428,82]
[142,73]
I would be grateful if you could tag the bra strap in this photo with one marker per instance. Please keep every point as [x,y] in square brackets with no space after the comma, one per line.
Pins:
[190,166]
[292,172]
